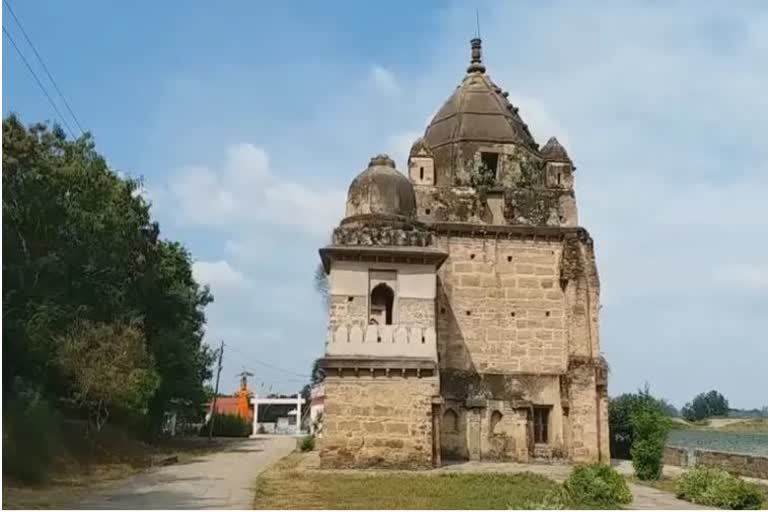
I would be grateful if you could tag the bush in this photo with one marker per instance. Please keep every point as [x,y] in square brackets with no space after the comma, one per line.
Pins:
[30,436]
[717,488]
[597,485]
[307,443]
[555,499]
[620,411]
[228,425]
[650,428]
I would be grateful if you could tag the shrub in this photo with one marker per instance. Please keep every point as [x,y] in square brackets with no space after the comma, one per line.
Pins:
[30,436]
[620,411]
[597,485]
[650,428]
[228,425]
[307,443]
[555,499]
[718,488]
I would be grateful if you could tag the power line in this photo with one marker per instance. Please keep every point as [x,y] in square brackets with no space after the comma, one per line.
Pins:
[268,365]
[45,68]
[39,83]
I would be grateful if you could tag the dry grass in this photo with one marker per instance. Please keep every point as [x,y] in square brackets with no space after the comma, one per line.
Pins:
[287,486]
[753,425]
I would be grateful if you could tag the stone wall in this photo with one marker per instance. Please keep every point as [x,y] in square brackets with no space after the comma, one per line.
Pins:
[418,312]
[381,422]
[755,466]
[675,456]
[500,307]
[348,310]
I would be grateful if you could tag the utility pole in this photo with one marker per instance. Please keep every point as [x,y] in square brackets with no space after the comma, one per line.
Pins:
[215,394]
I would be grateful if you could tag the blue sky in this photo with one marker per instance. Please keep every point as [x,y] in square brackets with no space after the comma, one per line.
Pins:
[248,120]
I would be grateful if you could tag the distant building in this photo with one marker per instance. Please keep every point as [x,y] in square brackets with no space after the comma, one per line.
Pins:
[464,300]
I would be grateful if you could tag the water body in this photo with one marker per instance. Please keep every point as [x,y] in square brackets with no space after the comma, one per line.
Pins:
[752,443]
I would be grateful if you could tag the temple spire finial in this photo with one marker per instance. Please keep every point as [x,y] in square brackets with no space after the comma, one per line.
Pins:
[476,64]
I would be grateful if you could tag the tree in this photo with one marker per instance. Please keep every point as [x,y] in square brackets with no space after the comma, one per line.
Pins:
[620,411]
[706,405]
[109,367]
[321,284]
[80,246]
[649,431]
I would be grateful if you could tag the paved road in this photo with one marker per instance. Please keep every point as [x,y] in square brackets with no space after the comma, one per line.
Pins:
[221,480]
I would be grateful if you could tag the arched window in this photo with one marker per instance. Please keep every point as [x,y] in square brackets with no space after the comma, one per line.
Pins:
[495,420]
[382,302]
[450,421]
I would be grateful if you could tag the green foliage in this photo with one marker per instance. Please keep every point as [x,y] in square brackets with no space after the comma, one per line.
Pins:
[620,410]
[307,443]
[554,499]
[30,435]
[80,245]
[717,488]
[706,405]
[228,425]
[109,368]
[483,179]
[650,428]
[597,485]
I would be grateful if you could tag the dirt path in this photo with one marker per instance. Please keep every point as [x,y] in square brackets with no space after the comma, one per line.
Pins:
[221,480]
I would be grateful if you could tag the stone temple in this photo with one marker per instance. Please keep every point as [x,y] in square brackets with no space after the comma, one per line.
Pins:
[464,295]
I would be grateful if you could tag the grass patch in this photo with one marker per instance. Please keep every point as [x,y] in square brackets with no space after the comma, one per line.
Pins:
[670,485]
[286,486]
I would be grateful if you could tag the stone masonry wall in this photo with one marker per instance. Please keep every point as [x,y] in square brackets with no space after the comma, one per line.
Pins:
[755,466]
[416,312]
[348,310]
[586,433]
[500,307]
[384,422]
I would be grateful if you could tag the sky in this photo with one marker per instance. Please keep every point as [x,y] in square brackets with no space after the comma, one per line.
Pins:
[247,121]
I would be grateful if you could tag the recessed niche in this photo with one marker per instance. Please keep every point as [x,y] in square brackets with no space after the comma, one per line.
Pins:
[442,311]
[472,256]
[512,314]
[469,313]
[350,299]
[509,258]
[427,211]
[547,313]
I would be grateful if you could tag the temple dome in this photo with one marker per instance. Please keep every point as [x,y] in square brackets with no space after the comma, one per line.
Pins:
[381,190]
[553,151]
[478,111]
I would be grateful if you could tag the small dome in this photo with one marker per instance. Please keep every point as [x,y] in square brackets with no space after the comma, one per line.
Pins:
[554,152]
[420,148]
[381,190]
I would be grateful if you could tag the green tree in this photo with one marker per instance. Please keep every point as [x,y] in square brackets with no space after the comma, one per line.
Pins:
[706,405]
[620,411]
[80,245]
[650,427]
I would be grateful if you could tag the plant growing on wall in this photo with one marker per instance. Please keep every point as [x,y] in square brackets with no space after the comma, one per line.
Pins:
[482,180]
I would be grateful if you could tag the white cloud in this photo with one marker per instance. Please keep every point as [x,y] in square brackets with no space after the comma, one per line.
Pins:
[384,80]
[219,275]
[244,193]
[399,147]
[745,276]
